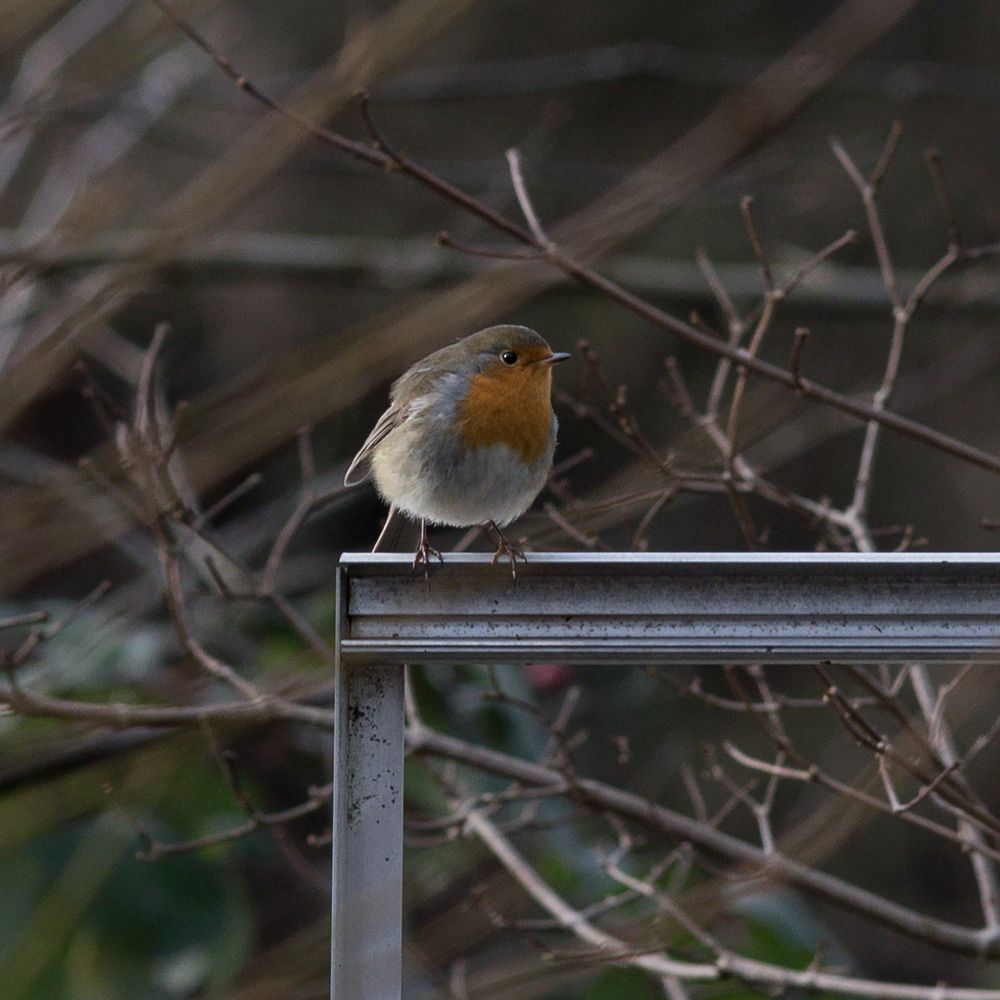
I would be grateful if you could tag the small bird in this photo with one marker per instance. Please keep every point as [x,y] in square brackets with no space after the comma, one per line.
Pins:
[468,437]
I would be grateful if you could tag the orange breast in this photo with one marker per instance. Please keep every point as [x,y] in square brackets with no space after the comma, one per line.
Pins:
[512,408]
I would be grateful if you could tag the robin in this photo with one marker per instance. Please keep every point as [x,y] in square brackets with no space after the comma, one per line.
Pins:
[468,437]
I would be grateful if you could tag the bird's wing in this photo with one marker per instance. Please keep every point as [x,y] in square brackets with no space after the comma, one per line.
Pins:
[416,387]
[358,471]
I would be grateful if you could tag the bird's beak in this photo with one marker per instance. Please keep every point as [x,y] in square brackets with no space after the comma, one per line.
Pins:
[555,358]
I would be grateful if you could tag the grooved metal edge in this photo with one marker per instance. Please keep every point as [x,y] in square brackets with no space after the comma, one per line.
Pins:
[674,607]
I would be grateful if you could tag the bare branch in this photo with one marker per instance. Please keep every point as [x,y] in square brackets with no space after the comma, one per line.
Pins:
[523,199]
[802,334]
[724,963]
[627,804]
[579,272]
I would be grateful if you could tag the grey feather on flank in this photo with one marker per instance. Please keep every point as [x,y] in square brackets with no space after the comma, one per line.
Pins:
[359,470]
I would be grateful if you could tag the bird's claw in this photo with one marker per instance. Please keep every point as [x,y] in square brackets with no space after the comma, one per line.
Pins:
[424,552]
[423,555]
[506,550]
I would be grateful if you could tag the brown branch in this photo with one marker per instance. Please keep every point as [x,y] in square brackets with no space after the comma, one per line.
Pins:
[444,239]
[28,618]
[299,514]
[933,158]
[37,636]
[422,740]
[585,275]
[802,334]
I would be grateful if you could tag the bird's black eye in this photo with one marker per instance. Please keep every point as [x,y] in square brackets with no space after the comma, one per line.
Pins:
[508,357]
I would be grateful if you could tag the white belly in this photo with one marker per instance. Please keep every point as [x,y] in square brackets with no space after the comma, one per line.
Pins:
[431,476]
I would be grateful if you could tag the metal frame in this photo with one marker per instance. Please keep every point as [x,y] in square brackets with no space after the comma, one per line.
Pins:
[607,608]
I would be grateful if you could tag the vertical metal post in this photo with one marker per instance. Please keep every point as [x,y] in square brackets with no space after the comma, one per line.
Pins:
[366,960]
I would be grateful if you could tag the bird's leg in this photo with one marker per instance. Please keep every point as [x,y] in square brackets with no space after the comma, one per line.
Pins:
[504,548]
[425,550]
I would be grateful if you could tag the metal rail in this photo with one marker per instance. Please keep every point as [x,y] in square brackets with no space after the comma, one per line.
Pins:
[691,608]
[607,608]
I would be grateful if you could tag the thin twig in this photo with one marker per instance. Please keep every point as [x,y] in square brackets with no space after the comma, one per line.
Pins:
[523,199]
[581,273]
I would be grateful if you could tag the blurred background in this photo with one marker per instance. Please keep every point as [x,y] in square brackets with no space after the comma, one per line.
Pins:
[140,186]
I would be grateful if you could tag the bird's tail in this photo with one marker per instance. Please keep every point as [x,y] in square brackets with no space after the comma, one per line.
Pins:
[389,537]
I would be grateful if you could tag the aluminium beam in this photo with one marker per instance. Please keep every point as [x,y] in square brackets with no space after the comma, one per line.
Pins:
[691,608]
[606,609]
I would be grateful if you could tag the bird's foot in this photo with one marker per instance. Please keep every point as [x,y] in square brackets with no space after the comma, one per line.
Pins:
[424,552]
[508,551]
